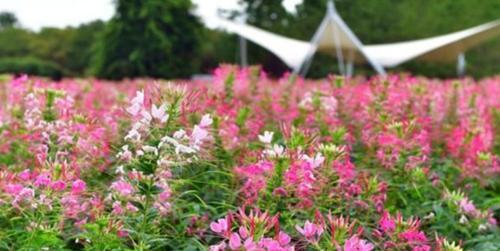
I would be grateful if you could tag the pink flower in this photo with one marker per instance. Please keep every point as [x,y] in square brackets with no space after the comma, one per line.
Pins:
[24,175]
[78,186]
[243,232]
[122,187]
[413,236]
[220,226]
[345,170]
[13,189]
[27,193]
[249,244]
[218,247]
[315,161]
[234,241]
[131,207]
[42,180]
[117,208]
[122,233]
[284,238]
[421,248]
[467,207]
[311,231]
[356,244]
[387,224]
[271,244]
[58,185]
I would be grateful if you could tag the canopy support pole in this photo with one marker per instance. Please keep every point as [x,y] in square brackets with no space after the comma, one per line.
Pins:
[338,49]
[243,52]
[349,69]
[332,13]
[350,64]
[304,67]
[461,64]
[332,16]
[243,47]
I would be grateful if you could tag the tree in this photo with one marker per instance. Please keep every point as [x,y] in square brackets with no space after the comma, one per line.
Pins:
[82,46]
[153,38]
[14,42]
[7,20]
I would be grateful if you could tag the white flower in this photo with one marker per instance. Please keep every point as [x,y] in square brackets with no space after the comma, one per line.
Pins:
[160,113]
[136,103]
[198,135]
[206,120]
[184,149]
[429,216]
[463,220]
[134,109]
[170,140]
[133,135]
[150,149]
[125,154]
[316,161]
[146,117]
[179,134]
[275,151]
[139,97]
[164,162]
[179,148]
[120,170]
[266,138]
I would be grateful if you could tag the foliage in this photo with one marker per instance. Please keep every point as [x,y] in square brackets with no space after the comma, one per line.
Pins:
[32,66]
[68,50]
[7,20]
[149,38]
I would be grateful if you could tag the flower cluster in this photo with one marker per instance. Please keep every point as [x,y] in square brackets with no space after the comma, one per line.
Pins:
[382,163]
[252,231]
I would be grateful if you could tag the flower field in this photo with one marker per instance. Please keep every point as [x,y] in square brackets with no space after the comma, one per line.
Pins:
[245,162]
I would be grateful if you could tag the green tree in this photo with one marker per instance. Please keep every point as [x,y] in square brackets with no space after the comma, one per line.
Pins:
[7,20]
[15,42]
[153,38]
[82,45]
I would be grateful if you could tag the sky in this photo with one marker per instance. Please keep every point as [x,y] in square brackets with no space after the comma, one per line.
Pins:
[35,14]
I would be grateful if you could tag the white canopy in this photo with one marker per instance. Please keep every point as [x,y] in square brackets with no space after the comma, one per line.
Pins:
[334,37]
[291,51]
[445,48]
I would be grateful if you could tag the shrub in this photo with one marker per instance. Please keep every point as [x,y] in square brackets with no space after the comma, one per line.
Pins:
[31,66]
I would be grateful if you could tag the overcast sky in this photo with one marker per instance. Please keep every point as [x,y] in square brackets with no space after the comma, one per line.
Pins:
[34,14]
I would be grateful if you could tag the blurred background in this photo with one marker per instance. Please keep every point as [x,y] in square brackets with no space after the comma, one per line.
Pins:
[176,38]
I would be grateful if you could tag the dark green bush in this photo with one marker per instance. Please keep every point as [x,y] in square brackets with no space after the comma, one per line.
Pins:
[31,66]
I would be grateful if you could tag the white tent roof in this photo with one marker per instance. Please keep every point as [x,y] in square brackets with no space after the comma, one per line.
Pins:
[334,37]
[291,51]
[443,48]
